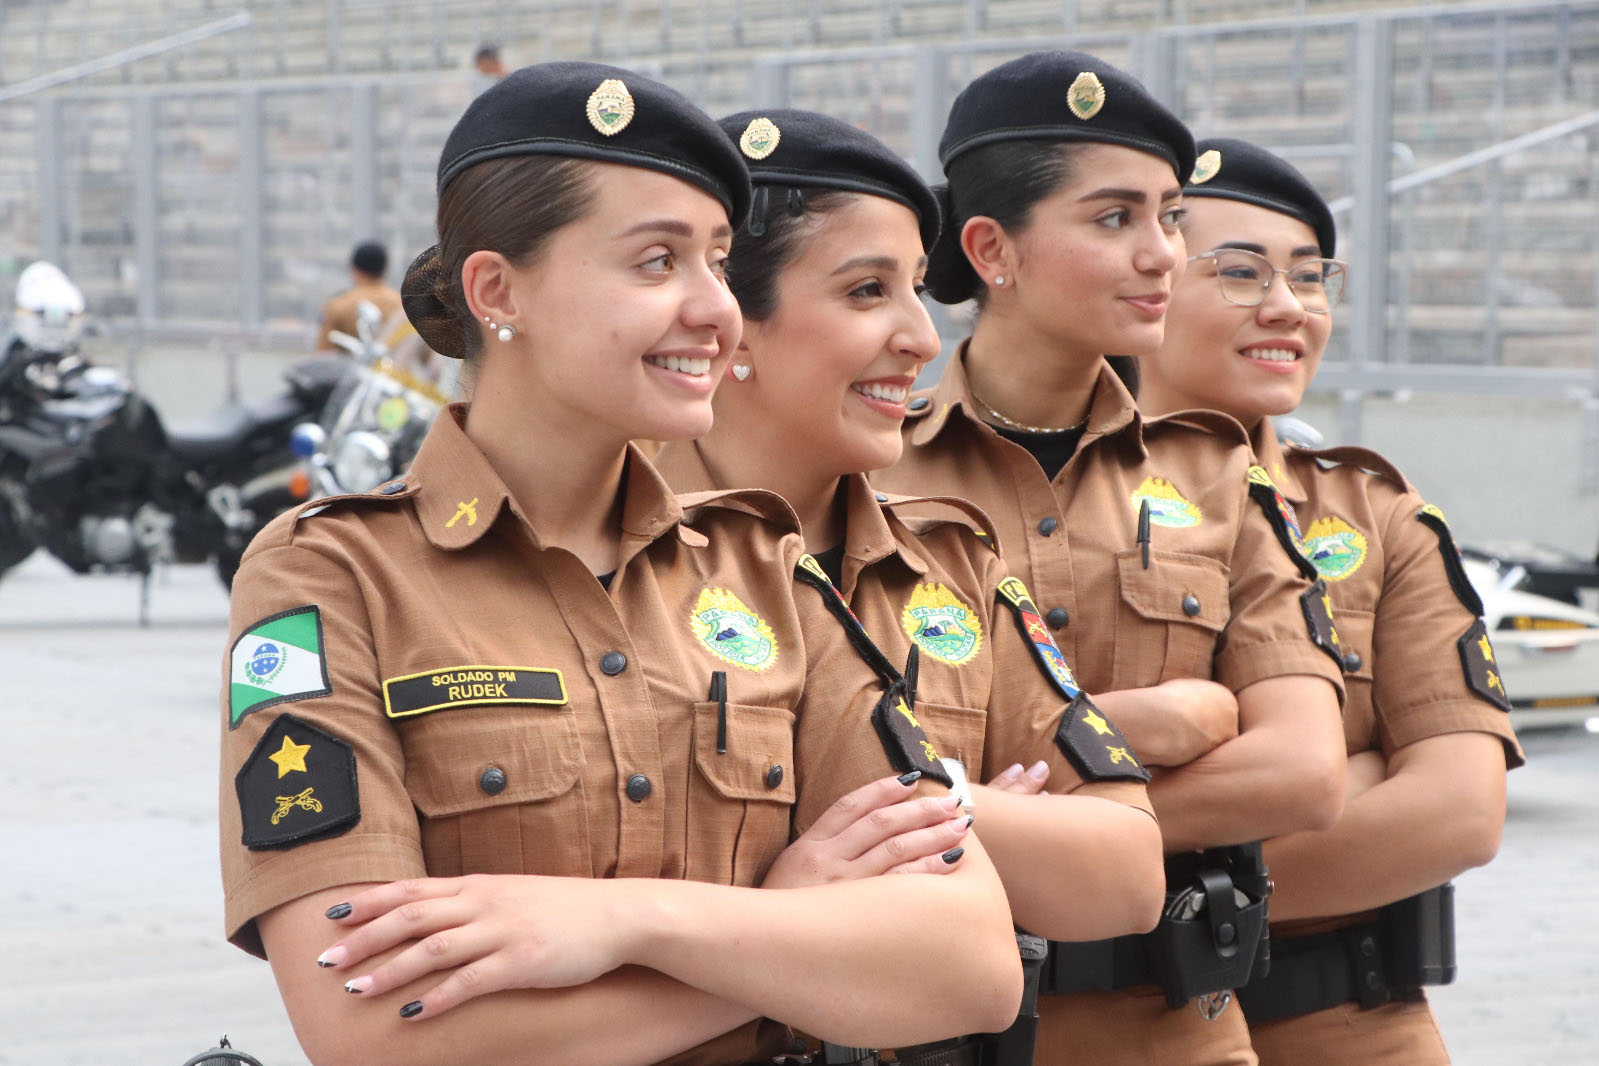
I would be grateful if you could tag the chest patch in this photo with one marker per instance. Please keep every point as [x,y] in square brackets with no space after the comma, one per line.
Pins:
[1167,506]
[941,625]
[1336,548]
[469,686]
[731,631]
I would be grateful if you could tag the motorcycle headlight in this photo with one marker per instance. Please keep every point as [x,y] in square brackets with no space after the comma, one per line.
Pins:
[361,462]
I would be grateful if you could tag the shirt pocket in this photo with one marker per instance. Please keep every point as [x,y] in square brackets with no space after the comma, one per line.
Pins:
[498,788]
[1172,615]
[956,732]
[741,798]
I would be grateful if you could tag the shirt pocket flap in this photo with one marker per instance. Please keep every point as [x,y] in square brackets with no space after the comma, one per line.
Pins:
[472,758]
[1175,588]
[957,733]
[758,760]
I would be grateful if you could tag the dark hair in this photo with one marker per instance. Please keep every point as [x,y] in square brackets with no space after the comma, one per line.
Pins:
[1004,181]
[486,51]
[786,217]
[370,258]
[512,206]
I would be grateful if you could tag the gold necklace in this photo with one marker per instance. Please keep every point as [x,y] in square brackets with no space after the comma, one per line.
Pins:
[1011,423]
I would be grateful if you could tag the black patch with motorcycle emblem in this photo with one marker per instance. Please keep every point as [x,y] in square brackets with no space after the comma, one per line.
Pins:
[297,785]
[1316,602]
[1433,519]
[1095,747]
[1482,672]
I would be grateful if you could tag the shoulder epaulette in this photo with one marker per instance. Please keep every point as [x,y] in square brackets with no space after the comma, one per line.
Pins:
[972,516]
[1213,423]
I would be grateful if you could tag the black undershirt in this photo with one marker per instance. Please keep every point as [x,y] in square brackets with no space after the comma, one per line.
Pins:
[605,579]
[1052,450]
[832,563]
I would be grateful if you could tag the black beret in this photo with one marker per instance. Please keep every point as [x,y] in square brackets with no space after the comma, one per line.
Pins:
[805,149]
[599,112]
[1064,96]
[1230,169]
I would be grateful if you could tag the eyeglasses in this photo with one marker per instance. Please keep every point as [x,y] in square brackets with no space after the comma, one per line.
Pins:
[1245,279]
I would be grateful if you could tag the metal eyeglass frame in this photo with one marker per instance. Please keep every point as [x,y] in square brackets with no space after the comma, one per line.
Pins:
[1343,268]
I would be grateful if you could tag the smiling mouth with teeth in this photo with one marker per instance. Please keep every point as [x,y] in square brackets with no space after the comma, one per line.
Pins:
[888,393]
[1272,355]
[691,367]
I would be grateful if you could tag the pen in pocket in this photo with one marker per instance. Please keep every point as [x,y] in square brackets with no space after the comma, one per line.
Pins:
[718,696]
[1143,530]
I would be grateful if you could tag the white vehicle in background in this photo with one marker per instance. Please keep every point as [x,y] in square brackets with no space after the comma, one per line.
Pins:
[1539,608]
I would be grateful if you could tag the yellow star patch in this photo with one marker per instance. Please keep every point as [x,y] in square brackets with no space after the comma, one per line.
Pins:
[1101,726]
[290,757]
[1487,649]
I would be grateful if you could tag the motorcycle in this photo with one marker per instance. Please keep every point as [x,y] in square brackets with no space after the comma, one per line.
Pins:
[89,472]
[375,419]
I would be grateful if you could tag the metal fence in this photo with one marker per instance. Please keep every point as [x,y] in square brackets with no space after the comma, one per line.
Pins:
[1458,141]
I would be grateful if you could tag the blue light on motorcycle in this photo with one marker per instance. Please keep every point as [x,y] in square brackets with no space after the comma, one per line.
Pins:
[306,439]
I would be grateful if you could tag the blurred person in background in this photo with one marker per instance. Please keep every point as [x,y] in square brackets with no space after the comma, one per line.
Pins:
[369,261]
[1358,918]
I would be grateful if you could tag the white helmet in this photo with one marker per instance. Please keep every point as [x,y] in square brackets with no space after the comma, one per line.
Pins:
[49,308]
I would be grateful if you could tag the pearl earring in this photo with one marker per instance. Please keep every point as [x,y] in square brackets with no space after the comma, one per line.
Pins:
[999,281]
[741,371]
[505,333]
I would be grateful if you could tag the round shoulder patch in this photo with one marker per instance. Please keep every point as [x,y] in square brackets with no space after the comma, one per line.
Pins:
[1336,548]
[941,625]
[731,631]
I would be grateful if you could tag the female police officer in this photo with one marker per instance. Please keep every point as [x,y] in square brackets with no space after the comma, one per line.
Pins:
[1425,725]
[525,671]
[827,272]
[1140,540]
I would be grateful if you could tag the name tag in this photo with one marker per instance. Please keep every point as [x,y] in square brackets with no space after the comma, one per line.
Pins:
[470,686]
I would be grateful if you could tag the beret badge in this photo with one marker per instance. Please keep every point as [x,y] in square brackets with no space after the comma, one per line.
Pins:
[610,107]
[1086,95]
[1207,166]
[760,138]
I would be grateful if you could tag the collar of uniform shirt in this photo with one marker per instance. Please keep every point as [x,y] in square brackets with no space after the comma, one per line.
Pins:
[1111,411]
[1269,454]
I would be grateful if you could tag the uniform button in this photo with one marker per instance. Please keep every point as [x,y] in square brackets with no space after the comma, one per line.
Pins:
[638,788]
[774,777]
[917,404]
[1368,946]
[1373,981]
[613,663]
[1047,525]
[881,498]
[1352,661]
[492,781]
[1226,934]
[1190,605]
[1057,618]
[392,487]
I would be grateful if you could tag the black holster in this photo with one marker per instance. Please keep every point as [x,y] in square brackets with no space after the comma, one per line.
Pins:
[1412,943]
[1213,951]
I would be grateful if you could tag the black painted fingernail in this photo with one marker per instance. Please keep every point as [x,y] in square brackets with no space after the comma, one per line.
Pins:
[969,821]
[339,910]
[910,778]
[953,855]
[411,1009]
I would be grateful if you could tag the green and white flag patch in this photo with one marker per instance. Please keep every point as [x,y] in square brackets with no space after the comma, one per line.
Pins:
[277,660]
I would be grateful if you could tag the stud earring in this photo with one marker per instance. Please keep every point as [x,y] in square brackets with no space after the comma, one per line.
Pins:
[999,281]
[741,371]
[505,333]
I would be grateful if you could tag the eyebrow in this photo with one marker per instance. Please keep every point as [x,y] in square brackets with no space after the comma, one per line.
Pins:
[676,227]
[1303,251]
[886,263]
[1137,196]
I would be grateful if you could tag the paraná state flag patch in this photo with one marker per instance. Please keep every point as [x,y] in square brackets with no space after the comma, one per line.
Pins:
[279,659]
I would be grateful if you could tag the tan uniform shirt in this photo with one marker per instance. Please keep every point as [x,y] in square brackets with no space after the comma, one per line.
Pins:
[339,312]
[1219,599]
[1399,622]
[417,685]
[981,694]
